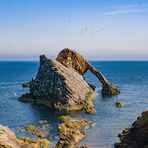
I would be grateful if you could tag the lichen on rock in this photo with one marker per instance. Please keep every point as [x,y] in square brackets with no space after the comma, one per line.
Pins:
[118,104]
[8,140]
[36,131]
[34,143]
[70,131]
[64,118]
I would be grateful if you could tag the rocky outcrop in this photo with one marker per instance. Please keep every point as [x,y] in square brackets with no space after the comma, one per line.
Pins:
[71,58]
[8,140]
[118,104]
[27,84]
[59,87]
[70,131]
[59,83]
[137,135]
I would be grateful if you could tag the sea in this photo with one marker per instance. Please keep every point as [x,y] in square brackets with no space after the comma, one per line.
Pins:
[130,77]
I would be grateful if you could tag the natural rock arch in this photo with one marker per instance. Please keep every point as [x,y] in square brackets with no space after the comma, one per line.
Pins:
[71,58]
[59,83]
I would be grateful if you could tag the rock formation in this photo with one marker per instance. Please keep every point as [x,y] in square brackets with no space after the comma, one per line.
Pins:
[71,58]
[59,83]
[137,135]
[59,87]
[70,131]
[27,84]
[8,140]
[118,104]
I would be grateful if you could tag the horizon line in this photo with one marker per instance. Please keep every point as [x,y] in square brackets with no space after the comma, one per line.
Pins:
[90,60]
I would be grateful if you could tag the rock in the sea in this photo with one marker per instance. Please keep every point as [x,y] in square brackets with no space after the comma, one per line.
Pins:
[8,140]
[27,84]
[70,131]
[59,87]
[73,59]
[118,104]
[137,135]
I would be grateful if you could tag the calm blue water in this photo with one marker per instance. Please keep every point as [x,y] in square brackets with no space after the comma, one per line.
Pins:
[130,77]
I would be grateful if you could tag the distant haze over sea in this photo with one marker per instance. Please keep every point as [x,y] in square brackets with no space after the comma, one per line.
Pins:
[96,57]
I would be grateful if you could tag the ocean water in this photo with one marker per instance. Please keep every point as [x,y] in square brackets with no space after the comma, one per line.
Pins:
[131,78]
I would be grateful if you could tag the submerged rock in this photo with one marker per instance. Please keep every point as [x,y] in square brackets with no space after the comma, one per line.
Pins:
[8,140]
[118,104]
[137,135]
[83,146]
[70,132]
[35,131]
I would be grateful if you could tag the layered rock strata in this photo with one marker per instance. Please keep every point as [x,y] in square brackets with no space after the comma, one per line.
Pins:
[59,87]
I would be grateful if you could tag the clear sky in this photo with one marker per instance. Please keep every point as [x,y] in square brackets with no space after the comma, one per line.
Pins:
[98,29]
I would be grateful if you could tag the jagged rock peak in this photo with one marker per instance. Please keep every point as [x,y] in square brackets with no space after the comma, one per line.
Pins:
[43,58]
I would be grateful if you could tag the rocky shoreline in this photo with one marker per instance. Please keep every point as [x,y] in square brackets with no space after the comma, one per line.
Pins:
[70,132]
[135,136]
[8,139]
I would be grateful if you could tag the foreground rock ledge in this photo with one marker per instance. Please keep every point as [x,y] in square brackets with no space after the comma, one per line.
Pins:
[137,135]
[60,85]
[8,140]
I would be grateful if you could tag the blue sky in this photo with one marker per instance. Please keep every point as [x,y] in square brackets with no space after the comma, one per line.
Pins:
[98,29]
